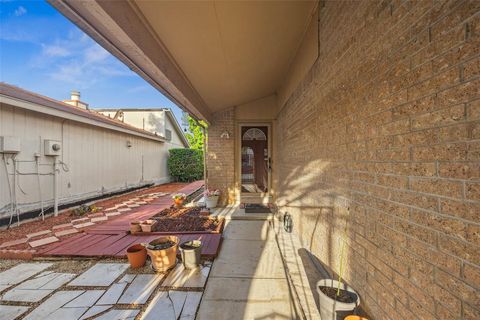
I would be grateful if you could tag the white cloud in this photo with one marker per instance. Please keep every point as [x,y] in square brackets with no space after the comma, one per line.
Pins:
[20,11]
[95,53]
[55,51]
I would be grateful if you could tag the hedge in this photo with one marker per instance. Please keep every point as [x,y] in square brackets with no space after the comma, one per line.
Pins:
[185,165]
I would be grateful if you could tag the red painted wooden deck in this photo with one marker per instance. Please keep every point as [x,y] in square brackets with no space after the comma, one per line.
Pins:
[110,239]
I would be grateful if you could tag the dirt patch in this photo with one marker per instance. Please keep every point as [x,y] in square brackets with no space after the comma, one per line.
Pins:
[185,219]
[343,295]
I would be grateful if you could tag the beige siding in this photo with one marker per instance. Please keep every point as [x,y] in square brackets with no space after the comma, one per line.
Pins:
[98,159]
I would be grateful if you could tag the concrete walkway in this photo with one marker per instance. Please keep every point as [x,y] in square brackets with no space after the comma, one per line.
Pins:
[248,279]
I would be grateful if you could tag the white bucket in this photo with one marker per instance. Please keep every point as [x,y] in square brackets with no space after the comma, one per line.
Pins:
[211,202]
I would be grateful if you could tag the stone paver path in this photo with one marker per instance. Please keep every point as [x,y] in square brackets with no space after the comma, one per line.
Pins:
[36,289]
[11,312]
[21,272]
[140,289]
[100,275]
[180,277]
[172,305]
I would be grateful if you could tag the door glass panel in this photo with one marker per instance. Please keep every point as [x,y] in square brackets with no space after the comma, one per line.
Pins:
[254,153]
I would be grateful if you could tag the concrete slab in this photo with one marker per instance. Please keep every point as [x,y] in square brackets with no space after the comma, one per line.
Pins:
[128,278]
[62,226]
[83,225]
[42,242]
[191,305]
[117,314]
[140,289]
[21,272]
[180,277]
[67,313]
[52,304]
[38,234]
[112,214]
[101,275]
[249,258]
[123,209]
[13,243]
[172,305]
[248,230]
[98,219]
[65,232]
[11,312]
[160,308]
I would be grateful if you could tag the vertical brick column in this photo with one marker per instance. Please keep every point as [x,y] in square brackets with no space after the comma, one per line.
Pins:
[221,155]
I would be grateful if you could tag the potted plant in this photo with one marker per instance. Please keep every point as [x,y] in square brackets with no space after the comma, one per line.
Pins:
[337,300]
[191,253]
[211,198]
[148,225]
[178,199]
[163,253]
[137,255]
[135,227]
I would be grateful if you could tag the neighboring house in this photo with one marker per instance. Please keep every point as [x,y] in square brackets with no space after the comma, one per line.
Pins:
[95,155]
[159,121]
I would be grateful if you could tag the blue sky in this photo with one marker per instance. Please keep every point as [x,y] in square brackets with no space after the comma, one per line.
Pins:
[43,52]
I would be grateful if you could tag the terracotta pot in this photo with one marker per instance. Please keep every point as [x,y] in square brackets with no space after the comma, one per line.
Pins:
[137,255]
[179,202]
[163,259]
[135,227]
[353,317]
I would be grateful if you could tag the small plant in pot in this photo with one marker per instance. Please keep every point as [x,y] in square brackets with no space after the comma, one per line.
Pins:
[163,253]
[337,300]
[179,199]
[211,198]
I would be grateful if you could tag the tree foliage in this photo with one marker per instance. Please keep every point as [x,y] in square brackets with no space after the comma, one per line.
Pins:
[185,165]
[195,132]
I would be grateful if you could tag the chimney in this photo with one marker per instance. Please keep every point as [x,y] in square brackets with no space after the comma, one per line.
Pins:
[75,95]
[75,100]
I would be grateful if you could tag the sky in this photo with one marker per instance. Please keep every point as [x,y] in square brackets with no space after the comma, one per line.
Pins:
[42,51]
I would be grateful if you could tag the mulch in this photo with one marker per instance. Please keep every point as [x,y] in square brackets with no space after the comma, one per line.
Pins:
[67,215]
[184,219]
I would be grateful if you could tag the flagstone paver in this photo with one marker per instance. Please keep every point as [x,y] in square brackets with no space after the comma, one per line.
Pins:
[83,225]
[101,275]
[112,214]
[36,289]
[21,272]
[94,311]
[128,278]
[42,242]
[62,226]
[171,305]
[13,242]
[86,299]
[181,277]
[113,294]
[140,289]
[52,304]
[11,312]
[118,314]
[123,209]
[98,219]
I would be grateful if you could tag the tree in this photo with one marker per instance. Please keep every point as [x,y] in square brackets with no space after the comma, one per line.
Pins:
[195,132]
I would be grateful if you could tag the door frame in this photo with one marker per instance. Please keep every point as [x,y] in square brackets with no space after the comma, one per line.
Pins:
[238,161]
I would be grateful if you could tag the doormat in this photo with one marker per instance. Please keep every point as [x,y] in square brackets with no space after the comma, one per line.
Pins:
[256,208]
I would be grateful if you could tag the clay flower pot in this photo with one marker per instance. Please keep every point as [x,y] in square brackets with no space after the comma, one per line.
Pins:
[135,227]
[178,203]
[137,255]
[163,253]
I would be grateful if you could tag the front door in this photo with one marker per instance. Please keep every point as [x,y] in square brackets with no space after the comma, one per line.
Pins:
[255,162]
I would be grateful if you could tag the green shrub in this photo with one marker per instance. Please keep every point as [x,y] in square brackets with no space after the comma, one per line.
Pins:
[185,165]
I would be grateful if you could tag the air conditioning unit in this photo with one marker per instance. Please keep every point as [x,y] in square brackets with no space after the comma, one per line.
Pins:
[52,147]
[9,144]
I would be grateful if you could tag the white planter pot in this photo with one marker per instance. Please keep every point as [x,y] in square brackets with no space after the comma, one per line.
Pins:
[331,309]
[211,202]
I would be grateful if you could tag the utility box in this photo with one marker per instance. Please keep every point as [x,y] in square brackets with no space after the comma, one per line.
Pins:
[52,147]
[9,144]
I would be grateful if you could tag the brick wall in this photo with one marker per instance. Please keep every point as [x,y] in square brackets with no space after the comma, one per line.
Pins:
[383,137]
[220,155]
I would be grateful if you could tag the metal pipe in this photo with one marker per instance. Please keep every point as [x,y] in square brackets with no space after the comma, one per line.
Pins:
[55,188]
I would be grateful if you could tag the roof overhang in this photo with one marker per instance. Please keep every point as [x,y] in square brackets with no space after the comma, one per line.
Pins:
[204,55]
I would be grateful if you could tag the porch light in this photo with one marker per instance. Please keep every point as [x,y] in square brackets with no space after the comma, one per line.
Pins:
[225,135]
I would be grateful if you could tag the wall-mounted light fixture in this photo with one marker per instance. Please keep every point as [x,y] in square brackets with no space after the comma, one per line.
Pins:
[225,135]
[129,144]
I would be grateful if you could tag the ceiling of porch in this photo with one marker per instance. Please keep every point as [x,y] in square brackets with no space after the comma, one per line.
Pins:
[232,52]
